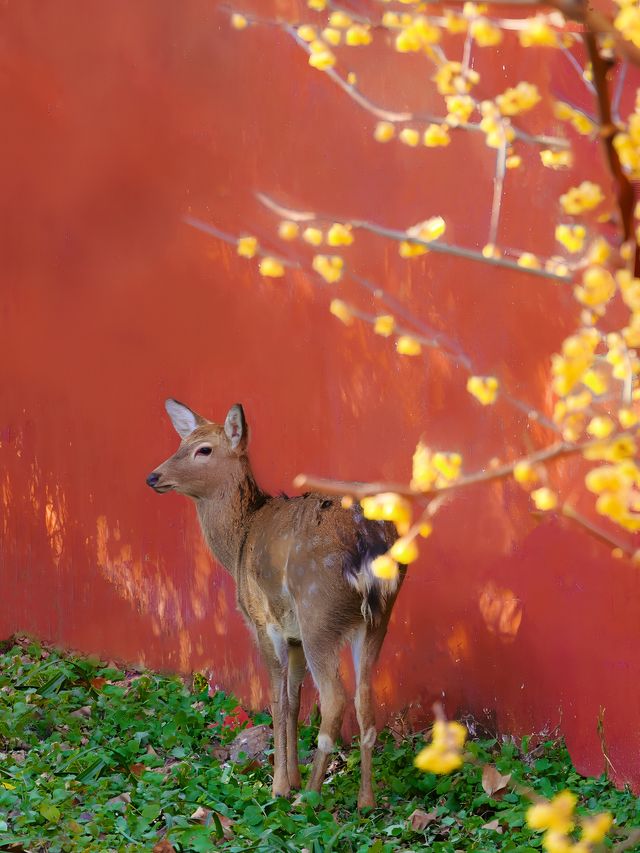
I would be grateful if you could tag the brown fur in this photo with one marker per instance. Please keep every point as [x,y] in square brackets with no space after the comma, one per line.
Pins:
[303,579]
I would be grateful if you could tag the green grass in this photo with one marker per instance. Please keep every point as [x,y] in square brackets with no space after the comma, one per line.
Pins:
[95,758]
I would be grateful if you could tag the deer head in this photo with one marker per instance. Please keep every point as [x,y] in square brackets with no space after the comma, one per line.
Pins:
[209,456]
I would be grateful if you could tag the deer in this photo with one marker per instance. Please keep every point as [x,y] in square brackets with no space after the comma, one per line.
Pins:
[304,584]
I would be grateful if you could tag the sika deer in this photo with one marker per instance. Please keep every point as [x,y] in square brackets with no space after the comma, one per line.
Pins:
[302,568]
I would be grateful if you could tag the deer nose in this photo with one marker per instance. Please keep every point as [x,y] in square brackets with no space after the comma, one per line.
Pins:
[152,479]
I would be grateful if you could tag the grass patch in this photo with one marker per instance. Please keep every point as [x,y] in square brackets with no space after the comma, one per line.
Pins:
[97,758]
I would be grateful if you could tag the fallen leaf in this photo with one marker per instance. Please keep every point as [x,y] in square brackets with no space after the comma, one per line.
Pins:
[494,825]
[419,819]
[207,817]
[221,753]
[85,711]
[125,798]
[164,846]
[98,682]
[253,742]
[494,784]
[137,769]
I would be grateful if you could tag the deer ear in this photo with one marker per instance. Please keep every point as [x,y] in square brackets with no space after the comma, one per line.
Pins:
[182,418]
[235,426]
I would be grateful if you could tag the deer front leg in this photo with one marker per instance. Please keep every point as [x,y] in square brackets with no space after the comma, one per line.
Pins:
[276,666]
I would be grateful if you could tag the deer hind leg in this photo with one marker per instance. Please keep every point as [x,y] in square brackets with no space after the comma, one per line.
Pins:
[324,668]
[296,670]
[365,648]
[273,648]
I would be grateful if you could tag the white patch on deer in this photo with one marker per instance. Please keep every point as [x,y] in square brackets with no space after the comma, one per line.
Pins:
[365,580]
[369,738]
[356,651]
[325,743]
[279,643]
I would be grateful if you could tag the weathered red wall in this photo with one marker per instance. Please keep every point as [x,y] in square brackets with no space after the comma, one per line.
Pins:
[120,119]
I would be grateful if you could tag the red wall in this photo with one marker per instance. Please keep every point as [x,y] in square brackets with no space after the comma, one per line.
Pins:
[122,119]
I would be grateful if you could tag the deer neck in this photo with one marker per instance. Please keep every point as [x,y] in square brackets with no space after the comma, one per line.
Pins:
[226,513]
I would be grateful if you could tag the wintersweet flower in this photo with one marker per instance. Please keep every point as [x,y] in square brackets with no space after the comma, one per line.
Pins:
[628,418]
[485,33]
[340,19]
[459,108]
[598,287]
[595,828]
[623,447]
[571,236]
[598,252]
[385,568]
[601,426]
[332,36]
[537,32]
[513,161]
[329,267]
[384,325]
[317,5]
[313,236]
[404,550]
[288,230]
[544,498]
[424,475]
[418,35]
[556,815]
[339,235]
[409,136]
[627,21]
[483,388]
[436,135]
[271,268]
[595,381]
[342,311]
[384,131]
[444,753]
[388,506]
[358,35]
[425,529]
[322,59]
[239,22]
[606,478]
[578,120]
[584,197]
[562,159]
[525,473]
[529,261]
[306,33]
[407,345]
[518,99]
[247,247]
[430,229]
[448,465]
[450,79]
[409,249]
[455,23]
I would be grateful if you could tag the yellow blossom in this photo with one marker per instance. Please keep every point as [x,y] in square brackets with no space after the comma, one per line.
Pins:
[459,108]
[444,753]
[317,5]
[424,474]
[447,465]
[599,251]
[544,499]
[595,828]
[490,251]
[329,267]
[419,34]
[384,131]
[586,196]
[595,381]
[612,505]
[513,161]
[288,230]
[525,473]
[332,36]
[239,22]
[313,236]
[436,135]
[247,247]
[601,426]
[627,21]
[384,325]
[428,230]
[485,33]
[623,447]
[529,261]
[342,311]
[410,136]
[518,99]
[628,418]
[425,529]
[556,159]
[271,268]
[358,35]
[322,59]
[352,78]
[339,235]
[606,478]
[537,32]
[560,842]
[454,23]
[406,345]
[340,19]
[306,33]
[556,815]
[630,289]
[385,568]
[409,249]
[571,236]
[388,506]
[598,287]
[450,80]
[483,388]
[579,120]
[404,550]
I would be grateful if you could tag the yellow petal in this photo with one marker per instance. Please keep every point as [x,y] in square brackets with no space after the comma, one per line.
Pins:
[271,268]
[247,247]
[341,310]
[406,345]
[544,498]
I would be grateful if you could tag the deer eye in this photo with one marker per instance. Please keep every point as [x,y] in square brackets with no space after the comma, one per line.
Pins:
[203,451]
